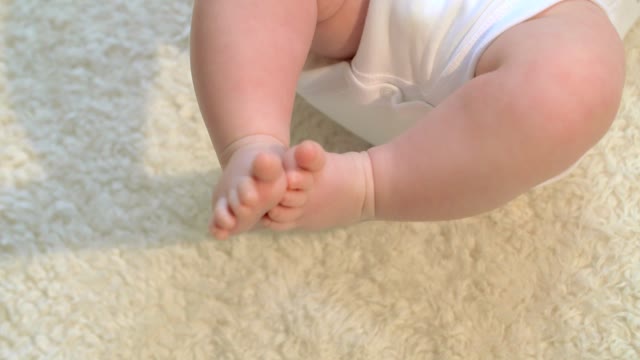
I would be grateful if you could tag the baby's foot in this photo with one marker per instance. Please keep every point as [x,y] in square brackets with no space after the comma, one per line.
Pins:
[324,190]
[253,181]
[302,164]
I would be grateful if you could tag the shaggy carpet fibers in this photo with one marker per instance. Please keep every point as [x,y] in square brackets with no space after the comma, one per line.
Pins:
[105,176]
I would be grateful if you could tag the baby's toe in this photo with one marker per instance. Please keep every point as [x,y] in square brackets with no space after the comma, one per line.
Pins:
[294,198]
[220,234]
[276,226]
[247,192]
[237,207]
[267,167]
[222,218]
[310,156]
[299,180]
[282,214]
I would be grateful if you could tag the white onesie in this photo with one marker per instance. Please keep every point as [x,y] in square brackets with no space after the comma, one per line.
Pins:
[415,53]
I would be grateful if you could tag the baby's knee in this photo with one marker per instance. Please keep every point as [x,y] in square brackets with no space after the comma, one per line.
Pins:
[576,93]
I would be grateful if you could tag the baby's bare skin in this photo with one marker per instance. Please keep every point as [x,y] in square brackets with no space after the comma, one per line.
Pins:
[253,186]
[472,153]
[253,182]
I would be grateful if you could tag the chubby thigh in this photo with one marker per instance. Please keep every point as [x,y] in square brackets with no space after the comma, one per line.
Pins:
[339,28]
[406,51]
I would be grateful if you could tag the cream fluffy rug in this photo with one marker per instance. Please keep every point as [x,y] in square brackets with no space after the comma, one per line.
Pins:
[105,175]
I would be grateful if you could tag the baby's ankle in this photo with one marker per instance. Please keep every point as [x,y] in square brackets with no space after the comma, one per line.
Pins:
[256,141]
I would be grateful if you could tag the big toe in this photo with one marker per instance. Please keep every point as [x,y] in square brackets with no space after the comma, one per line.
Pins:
[267,167]
[310,156]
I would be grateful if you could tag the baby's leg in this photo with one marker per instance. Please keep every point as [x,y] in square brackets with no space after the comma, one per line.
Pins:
[325,190]
[246,56]
[545,92]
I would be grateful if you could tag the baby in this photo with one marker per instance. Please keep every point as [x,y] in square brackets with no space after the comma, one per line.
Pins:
[469,103]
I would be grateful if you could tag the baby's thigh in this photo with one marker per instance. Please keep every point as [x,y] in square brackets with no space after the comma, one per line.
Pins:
[339,28]
[567,66]
[566,27]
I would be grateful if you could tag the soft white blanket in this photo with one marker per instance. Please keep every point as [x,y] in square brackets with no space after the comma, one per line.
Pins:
[105,175]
